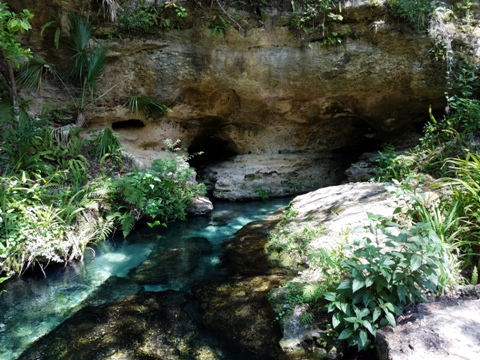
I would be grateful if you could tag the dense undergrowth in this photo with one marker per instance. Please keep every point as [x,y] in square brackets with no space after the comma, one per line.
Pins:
[62,191]
[58,197]
[431,244]
[313,20]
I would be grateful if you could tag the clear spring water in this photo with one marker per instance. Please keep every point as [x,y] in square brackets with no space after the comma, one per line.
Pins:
[32,306]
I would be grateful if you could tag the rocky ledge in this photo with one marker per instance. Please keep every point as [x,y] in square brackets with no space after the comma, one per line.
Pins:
[447,328]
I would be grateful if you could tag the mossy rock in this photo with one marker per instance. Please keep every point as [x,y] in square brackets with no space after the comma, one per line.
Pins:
[146,326]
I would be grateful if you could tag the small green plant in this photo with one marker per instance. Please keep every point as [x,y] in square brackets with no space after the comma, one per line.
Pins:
[289,213]
[390,165]
[148,17]
[263,193]
[161,193]
[474,279]
[386,275]
[103,142]
[219,26]
[317,15]
[145,106]
[416,12]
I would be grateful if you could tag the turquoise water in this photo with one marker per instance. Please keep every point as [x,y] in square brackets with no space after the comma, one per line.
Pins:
[32,306]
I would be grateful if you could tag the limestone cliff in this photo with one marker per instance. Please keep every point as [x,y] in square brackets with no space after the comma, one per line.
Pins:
[266,95]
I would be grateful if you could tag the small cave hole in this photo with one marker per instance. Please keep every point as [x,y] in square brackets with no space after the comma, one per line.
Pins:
[128,124]
[214,151]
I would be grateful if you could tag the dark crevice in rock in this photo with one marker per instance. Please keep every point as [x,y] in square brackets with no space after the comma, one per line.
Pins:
[214,150]
[128,124]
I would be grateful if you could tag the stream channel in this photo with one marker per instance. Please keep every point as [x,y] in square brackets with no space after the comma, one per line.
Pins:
[32,306]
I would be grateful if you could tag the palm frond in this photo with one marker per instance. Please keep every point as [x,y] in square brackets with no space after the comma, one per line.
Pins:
[56,36]
[105,142]
[145,106]
[96,65]
[80,32]
[30,74]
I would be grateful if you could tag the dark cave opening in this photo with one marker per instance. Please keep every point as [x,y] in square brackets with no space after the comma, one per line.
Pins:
[128,124]
[213,150]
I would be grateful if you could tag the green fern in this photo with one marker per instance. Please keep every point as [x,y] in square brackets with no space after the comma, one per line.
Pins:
[127,221]
[474,280]
[104,228]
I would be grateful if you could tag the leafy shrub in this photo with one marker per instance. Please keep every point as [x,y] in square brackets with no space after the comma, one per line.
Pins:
[390,165]
[416,12]
[147,17]
[161,193]
[385,276]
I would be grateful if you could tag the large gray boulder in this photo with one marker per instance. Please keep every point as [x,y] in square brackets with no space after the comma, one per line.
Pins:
[448,329]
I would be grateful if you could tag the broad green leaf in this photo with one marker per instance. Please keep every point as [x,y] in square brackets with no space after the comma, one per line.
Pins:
[386,275]
[366,298]
[389,306]
[330,296]
[364,312]
[415,262]
[363,340]
[367,325]
[350,319]
[336,320]
[357,284]
[345,334]
[392,244]
[345,308]
[25,25]
[398,276]
[391,319]
[381,282]
[345,284]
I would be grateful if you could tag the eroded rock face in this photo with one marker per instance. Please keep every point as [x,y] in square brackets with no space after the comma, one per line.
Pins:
[257,176]
[268,91]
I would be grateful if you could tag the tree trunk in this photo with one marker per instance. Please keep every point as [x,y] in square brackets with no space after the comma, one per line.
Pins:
[12,87]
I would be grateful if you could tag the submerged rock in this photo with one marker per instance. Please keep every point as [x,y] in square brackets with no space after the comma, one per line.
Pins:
[238,310]
[166,264]
[146,326]
[245,253]
[113,289]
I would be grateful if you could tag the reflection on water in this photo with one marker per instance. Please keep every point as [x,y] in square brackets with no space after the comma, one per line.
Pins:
[32,307]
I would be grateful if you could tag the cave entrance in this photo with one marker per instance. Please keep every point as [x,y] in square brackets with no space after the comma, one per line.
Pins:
[128,124]
[214,151]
